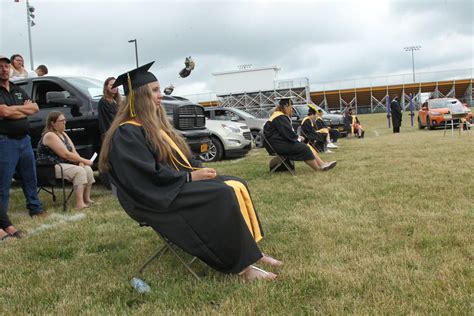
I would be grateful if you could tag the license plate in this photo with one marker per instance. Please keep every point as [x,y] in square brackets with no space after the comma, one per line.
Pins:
[204,148]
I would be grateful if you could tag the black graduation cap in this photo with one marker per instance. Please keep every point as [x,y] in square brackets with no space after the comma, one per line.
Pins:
[135,78]
[312,109]
[169,89]
[285,100]
[188,67]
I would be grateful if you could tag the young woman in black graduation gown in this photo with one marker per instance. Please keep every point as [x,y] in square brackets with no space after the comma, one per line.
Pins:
[312,132]
[108,105]
[209,216]
[279,133]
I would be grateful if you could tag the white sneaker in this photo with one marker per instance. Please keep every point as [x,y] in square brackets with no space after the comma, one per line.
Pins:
[328,151]
[331,145]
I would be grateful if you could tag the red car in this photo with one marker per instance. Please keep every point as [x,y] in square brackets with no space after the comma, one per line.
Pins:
[435,112]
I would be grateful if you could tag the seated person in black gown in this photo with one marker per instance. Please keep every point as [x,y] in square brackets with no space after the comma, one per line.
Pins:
[279,133]
[352,124]
[208,216]
[327,134]
[314,136]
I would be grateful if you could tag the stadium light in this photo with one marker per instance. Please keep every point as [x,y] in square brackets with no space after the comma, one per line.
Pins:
[30,21]
[136,49]
[412,49]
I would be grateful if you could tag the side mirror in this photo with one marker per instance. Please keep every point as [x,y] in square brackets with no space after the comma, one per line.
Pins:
[60,97]
[234,118]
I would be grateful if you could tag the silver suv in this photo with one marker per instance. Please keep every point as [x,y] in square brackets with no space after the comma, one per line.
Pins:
[228,139]
[232,114]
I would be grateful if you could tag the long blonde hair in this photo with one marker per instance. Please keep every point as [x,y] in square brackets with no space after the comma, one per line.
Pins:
[106,93]
[153,119]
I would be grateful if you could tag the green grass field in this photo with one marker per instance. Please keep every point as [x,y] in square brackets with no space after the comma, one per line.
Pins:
[388,231]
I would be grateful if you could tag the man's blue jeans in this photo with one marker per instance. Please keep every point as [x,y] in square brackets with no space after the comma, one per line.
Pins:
[17,154]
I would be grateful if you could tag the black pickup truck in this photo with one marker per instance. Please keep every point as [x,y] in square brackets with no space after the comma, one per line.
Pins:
[77,98]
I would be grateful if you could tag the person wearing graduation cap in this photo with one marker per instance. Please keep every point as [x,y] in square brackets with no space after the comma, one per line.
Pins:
[327,134]
[352,124]
[279,133]
[209,216]
[313,135]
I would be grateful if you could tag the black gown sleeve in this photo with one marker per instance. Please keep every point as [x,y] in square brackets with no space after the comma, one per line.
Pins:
[195,162]
[320,124]
[106,114]
[283,125]
[149,184]
[308,130]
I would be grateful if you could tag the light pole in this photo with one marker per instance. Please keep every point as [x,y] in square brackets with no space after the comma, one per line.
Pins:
[29,20]
[136,49]
[412,49]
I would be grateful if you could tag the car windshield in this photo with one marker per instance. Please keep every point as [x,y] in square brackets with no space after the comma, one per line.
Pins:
[243,113]
[302,110]
[452,104]
[89,86]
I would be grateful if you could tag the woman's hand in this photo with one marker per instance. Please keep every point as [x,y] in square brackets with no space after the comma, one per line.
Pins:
[300,138]
[86,162]
[203,174]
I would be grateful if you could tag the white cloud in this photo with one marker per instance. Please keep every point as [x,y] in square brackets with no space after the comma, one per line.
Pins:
[321,40]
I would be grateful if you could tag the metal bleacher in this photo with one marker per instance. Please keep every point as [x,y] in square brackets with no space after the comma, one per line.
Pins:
[366,95]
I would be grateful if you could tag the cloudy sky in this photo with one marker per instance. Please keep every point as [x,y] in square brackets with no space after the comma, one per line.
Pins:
[320,40]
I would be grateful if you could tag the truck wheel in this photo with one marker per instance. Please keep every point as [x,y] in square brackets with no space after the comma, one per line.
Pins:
[215,151]
[257,139]
[420,126]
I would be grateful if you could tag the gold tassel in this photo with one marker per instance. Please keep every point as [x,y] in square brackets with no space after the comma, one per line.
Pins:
[131,98]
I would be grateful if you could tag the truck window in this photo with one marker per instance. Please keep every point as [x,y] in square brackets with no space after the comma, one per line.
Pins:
[39,93]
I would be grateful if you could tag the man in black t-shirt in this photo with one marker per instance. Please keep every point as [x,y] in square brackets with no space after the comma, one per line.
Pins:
[16,152]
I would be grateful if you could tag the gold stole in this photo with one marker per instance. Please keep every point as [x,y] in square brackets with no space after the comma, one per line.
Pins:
[243,197]
[322,130]
[275,115]
[307,118]
[313,150]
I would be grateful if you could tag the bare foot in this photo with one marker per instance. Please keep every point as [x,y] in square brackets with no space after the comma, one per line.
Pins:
[10,230]
[81,206]
[269,260]
[254,273]
[13,232]
[89,202]
[3,234]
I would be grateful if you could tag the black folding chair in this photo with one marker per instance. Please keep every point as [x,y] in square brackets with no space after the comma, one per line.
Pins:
[278,160]
[47,181]
[168,246]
